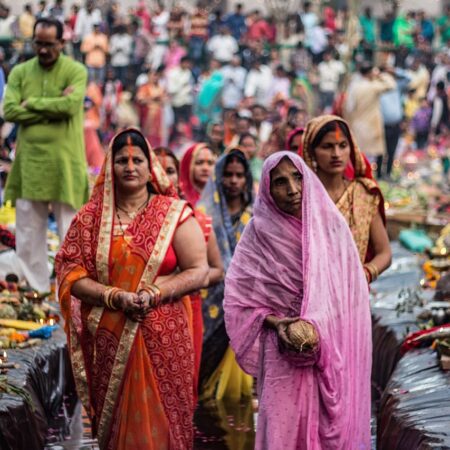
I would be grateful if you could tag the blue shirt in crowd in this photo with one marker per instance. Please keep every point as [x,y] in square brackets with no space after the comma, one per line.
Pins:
[391,101]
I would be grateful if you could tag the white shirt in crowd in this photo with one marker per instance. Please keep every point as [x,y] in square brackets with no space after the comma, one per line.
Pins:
[120,47]
[223,47]
[234,83]
[329,75]
[85,22]
[6,27]
[309,21]
[319,40]
[159,24]
[258,85]
[180,86]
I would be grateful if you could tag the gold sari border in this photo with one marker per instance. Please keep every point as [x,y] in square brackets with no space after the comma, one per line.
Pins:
[106,224]
[160,248]
[79,370]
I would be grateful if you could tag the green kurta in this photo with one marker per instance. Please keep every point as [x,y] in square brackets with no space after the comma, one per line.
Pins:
[50,162]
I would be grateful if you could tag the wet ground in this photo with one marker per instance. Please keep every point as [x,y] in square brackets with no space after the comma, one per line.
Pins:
[219,425]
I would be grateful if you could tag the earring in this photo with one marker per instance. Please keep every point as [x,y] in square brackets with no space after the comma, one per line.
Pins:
[314,165]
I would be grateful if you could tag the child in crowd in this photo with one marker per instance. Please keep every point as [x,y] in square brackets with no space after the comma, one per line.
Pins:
[421,122]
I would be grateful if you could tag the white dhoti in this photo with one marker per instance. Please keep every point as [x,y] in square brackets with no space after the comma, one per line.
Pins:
[31,238]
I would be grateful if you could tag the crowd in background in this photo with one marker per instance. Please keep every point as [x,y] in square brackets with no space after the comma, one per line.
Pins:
[193,74]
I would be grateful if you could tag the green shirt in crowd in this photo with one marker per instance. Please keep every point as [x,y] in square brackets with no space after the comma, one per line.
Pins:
[444,27]
[50,163]
[403,32]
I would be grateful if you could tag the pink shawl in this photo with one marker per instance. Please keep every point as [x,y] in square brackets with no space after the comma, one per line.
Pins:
[310,269]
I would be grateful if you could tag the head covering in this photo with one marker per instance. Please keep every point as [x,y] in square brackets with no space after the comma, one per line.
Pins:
[96,220]
[213,203]
[291,136]
[358,166]
[306,268]
[228,232]
[187,186]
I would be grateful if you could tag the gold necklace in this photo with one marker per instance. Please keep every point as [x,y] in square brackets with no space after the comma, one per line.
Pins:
[132,214]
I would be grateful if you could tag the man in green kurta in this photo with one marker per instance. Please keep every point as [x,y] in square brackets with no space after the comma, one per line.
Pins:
[45,97]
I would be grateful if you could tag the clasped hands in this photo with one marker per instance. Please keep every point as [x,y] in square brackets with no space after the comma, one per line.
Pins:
[136,306]
[297,334]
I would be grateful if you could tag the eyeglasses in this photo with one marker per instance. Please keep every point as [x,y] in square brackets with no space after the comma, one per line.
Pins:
[48,45]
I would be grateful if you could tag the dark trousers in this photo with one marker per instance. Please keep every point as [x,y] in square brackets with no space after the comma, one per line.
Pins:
[392,135]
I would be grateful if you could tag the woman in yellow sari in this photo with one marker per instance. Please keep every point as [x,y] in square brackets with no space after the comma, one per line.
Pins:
[330,149]
[131,254]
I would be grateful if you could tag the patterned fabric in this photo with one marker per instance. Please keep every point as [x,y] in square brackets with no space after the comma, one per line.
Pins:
[213,203]
[359,207]
[363,198]
[7,238]
[135,381]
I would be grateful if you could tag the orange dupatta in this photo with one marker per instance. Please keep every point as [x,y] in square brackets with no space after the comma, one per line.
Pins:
[134,380]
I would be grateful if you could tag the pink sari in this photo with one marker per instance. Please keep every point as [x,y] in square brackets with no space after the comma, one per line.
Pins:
[306,268]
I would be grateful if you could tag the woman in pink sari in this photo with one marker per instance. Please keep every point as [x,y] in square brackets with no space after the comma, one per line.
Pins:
[297,314]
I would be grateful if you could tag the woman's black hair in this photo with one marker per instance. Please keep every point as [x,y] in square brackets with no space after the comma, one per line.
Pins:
[136,138]
[238,156]
[331,127]
[246,135]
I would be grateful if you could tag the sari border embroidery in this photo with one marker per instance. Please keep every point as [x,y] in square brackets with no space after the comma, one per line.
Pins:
[130,329]
[106,225]
[78,367]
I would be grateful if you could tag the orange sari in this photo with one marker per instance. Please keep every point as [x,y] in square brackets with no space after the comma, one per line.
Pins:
[135,380]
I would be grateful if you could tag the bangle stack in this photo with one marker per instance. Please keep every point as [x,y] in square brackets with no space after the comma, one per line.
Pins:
[108,296]
[372,270]
[154,292]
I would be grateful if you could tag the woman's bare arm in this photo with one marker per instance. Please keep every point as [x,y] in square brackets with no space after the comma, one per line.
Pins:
[89,291]
[190,248]
[380,242]
[216,271]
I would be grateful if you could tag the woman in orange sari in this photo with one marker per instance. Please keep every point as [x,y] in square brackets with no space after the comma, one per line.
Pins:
[130,256]
[151,98]
[329,148]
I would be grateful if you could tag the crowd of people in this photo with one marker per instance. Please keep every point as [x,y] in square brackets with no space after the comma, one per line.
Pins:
[235,200]
[186,75]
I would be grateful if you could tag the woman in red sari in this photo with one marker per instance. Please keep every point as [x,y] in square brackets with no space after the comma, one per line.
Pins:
[130,256]
[171,165]
[197,166]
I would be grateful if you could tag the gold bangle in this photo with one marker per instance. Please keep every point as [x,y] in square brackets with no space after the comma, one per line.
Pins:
[373,270]
[154,291]
[108,297]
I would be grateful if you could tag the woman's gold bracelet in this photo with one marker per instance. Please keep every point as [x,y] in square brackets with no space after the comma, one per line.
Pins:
[373,270]
[108,296]
[154,291]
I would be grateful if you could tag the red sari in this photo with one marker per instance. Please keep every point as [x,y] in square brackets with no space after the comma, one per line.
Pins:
[135,380]
[190,193]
